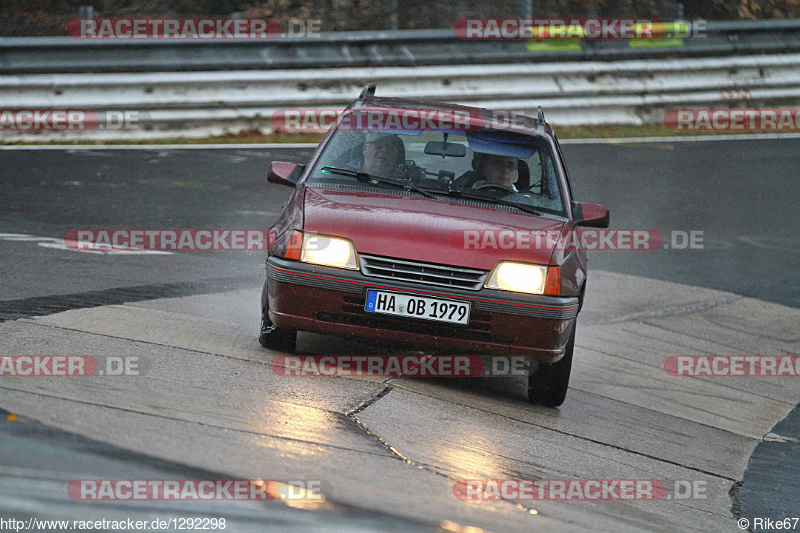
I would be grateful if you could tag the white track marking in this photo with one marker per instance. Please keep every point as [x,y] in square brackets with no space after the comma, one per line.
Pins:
[72,246]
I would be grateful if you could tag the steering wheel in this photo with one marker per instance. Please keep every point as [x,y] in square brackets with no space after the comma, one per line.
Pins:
[496,187]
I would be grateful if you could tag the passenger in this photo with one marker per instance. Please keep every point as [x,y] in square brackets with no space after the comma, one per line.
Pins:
[495,170]
[384,155]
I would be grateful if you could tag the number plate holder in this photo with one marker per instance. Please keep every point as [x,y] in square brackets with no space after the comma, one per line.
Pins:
[436,309]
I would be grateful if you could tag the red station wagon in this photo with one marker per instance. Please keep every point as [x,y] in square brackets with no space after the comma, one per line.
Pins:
[419,223]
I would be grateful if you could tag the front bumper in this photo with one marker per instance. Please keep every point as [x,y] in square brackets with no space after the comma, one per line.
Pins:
[331,300]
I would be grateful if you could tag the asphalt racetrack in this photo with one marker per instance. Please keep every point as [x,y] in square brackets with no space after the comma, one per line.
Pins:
[387,454]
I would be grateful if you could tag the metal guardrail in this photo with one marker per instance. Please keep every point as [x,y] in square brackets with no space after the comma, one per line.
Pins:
[364,49]
[578,93]
[603,83]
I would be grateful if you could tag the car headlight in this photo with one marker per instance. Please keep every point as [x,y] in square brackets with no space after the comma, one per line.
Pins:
[328,251]
[520,277]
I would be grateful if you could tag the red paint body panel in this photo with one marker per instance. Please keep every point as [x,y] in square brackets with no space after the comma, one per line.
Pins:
[418,228]
[299,307]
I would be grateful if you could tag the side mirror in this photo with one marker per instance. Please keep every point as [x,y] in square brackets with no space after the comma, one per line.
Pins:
[285,173]
[591,215]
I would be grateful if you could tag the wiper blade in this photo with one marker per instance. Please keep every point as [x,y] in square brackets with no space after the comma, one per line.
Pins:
[361,176]
[365,177]
[458,193]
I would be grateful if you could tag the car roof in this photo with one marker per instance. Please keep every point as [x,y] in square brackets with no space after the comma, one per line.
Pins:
[500,120]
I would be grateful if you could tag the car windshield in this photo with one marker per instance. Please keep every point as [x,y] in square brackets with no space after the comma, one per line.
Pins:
[495,166]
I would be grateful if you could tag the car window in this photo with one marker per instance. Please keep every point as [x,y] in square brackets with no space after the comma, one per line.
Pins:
[494,164]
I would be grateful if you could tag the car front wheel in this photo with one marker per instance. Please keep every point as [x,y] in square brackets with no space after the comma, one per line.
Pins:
[548,385]
[275,338]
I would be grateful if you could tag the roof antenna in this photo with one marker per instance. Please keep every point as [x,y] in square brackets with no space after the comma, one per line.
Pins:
[369,90]
[540,114]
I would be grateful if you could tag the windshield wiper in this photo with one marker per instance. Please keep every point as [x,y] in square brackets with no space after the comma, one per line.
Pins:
[458,193]
[365,177]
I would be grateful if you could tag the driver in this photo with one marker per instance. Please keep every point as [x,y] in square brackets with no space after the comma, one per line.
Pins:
[495,170]
[383,154]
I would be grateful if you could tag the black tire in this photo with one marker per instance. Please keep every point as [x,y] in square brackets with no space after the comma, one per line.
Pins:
[275,338]
[548,386]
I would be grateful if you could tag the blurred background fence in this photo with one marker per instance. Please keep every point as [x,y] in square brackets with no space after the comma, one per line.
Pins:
[205,88]
[28,18]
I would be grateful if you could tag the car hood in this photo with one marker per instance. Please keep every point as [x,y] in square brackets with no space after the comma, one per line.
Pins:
[422,229]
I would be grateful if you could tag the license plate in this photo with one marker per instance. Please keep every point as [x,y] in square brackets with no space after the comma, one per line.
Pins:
[438,309]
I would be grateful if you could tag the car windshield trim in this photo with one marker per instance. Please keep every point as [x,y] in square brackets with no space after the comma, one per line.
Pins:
[366,177]
[460,193]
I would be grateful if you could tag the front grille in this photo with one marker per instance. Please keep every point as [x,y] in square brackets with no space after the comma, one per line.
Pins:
[419,272]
